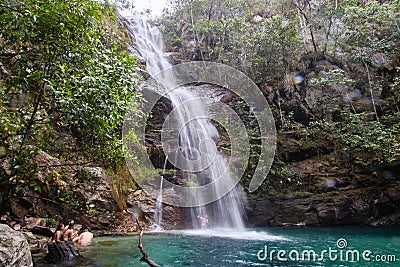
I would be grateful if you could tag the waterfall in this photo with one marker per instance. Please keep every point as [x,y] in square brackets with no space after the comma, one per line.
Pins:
[158,211]
[159,200]
[197,137]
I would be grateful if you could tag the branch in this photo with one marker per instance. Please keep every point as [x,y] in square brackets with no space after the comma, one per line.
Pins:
[36,104]
[65,164]
[371,91]
[11,8]
[145,257]
[41,198]
[9,54]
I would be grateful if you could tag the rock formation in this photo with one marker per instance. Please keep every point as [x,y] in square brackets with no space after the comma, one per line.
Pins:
[14,249]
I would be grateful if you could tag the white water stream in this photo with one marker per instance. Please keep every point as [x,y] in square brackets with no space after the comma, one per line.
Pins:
[197,136]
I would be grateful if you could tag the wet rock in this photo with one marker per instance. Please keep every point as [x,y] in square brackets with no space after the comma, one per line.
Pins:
[298,219]
[335,212]
[139,198]
[172,218]
[391,220]
[105,219]
[60,252]
[367,206]
[37,243]
[124,224]
[42,230]
[153,134]
[143,205]
[14,249]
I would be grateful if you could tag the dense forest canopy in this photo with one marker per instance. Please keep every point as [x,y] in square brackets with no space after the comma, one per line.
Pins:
[262,37]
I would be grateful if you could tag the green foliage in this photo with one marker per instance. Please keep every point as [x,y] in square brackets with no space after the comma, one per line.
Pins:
[173,39]
[377,142]
[230,32]
[64,68]
[332,77]
[371,28]
[93,101]
[266,49]
[368,141]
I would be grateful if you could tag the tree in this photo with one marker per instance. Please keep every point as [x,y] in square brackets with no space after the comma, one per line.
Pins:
[232,32]
[64,69]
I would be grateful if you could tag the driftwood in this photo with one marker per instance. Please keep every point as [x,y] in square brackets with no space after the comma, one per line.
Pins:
[145,257]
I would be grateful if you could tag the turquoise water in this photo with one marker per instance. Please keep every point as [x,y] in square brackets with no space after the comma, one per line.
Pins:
[379,246]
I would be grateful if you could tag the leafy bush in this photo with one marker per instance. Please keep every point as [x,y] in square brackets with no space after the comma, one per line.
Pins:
[376,141]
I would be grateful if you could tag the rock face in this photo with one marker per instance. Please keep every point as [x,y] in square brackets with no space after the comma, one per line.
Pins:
[144,206]
[14,249]
[94,187]
[81,193]
[319,182]
[353,207]
[324,194]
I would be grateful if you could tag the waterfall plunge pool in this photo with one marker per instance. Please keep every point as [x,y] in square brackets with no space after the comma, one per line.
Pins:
[337,246]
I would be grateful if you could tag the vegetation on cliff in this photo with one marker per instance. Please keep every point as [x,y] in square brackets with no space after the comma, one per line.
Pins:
[65,81]
[329,69]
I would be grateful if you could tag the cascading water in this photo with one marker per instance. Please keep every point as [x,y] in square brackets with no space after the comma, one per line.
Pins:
[159,200]
[158,212]
[196,143]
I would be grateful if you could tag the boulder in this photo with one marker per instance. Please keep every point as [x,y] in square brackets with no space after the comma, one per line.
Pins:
[37,226]
[63,251]
[94,188]
[14,249]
